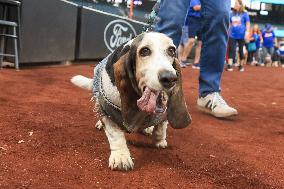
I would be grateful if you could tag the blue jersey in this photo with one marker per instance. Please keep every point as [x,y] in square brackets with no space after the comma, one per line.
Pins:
[268,39]
[191,11]
[238,23]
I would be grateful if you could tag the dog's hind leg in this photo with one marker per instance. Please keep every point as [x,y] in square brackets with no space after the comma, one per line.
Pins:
[120,156]
[159,135]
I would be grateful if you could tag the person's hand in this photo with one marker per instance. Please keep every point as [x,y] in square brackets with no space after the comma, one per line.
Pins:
[247,37]
[197,7]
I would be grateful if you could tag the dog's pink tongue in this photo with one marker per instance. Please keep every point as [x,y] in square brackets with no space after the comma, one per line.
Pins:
[148,100]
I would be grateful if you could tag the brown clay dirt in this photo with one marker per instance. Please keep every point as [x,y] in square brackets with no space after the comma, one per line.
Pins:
[48,137]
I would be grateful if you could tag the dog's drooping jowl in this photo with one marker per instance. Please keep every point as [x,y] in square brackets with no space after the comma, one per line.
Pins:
[137,88]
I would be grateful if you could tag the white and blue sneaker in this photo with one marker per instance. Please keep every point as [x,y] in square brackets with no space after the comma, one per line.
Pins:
[196,66]
[241,68]
[215,105]
[183,64]
[229,68]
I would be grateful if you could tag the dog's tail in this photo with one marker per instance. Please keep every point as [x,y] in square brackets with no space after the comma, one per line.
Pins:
[82,82]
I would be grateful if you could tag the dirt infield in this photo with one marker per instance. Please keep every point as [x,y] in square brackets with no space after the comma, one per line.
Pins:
[48,137]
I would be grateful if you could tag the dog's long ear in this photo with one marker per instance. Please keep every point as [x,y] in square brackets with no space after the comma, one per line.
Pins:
[177,112]
[126,84]
[130,66]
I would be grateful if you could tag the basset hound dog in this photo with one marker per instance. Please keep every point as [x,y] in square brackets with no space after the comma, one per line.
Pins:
[136,87]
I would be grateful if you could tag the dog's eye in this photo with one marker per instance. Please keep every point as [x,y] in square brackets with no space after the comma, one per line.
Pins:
[171,51]
[145,51]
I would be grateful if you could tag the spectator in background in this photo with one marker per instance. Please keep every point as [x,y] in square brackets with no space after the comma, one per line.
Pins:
[280,52]
[194,30]
[239,30]
[183,40]
[255,41]
[269,41]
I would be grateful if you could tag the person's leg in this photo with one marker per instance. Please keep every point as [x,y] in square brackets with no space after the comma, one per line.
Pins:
[183,41]
[214,41]
[272,55]
[254,62]
[275,57]
[254,57]
[282,61]
[232,46]
[271,51]
[241,43]
[180,51]
[196,64]
[187,49]
[250,57]
[197,52]
[172,15]
[261,55]
[264,54]
[257,58]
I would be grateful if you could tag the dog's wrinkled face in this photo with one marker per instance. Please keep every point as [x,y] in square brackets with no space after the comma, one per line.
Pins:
[149,80]
[154,58]
[155,73]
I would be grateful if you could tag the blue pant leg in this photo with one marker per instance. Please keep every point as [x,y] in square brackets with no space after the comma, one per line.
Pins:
[172,17]
[215,14]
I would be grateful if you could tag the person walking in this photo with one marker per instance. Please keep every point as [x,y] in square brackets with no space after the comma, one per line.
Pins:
[194,22]
[255,38]
[239,30]
[215,23]
[269,41]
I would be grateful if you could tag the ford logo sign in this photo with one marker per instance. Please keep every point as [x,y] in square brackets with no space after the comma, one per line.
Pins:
[118,32]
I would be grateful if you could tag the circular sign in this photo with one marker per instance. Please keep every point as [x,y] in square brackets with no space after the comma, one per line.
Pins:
[118,32]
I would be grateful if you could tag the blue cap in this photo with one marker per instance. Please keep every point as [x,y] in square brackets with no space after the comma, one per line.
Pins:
[268,26]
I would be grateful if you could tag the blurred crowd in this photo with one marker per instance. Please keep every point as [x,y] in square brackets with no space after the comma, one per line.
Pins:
[262,48]
[118,2]
[247,44]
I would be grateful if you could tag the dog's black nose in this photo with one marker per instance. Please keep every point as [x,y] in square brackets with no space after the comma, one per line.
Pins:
[167,78]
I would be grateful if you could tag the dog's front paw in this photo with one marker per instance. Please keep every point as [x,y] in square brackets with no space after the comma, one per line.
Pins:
[148,131]
[121,161]
[99,125]
[161,144]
